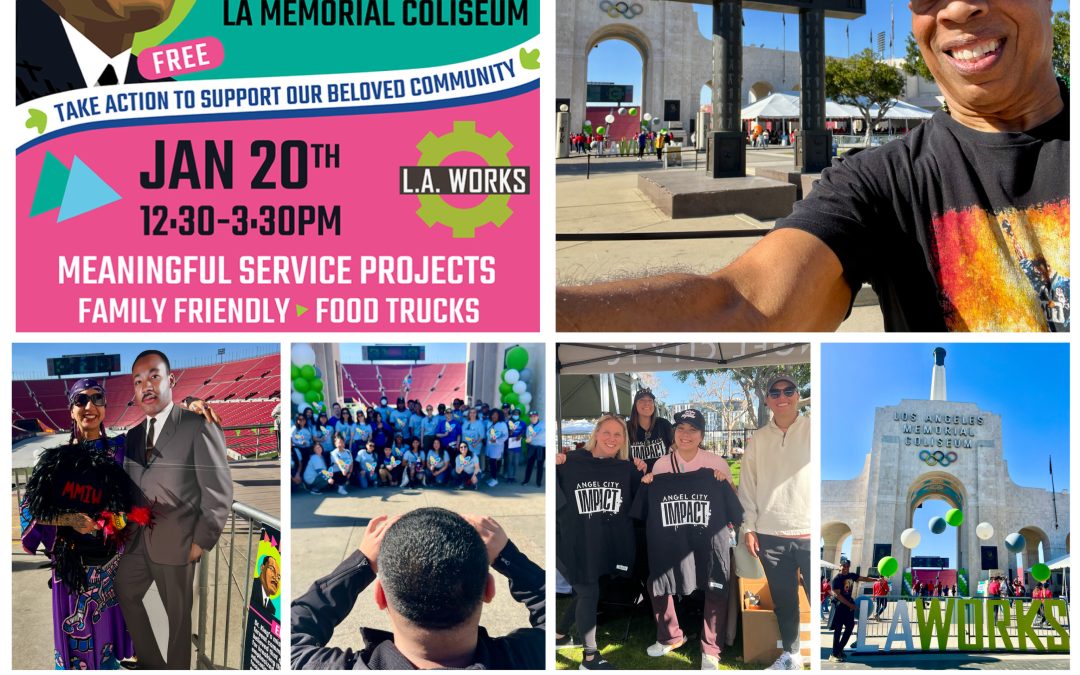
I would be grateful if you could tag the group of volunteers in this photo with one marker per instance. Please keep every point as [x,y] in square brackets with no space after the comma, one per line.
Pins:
[650,483]
[412,445]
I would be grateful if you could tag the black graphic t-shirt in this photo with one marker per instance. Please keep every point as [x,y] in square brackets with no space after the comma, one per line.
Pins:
[594,534]
[955,229]
[686,525]
[652,444]
[843,585]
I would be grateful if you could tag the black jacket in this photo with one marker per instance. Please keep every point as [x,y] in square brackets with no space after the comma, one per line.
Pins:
[44,61]
[330,599]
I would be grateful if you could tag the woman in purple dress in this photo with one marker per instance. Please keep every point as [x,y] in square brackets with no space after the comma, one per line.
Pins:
[76,508]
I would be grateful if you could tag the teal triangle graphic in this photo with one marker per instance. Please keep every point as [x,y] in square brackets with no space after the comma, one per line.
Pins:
[85,192]
[51,185]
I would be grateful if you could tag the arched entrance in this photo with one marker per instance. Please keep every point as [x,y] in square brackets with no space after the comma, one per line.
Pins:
[930,490]
[760,90]
[833,537]
[623,35]
[1036,549]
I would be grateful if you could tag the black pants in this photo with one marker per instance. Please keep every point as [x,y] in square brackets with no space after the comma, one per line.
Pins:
[493,467]
[535,455]
[582,611]
[843,624]
[783,558]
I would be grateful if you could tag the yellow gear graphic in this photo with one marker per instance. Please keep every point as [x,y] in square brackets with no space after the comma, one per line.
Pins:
[464,138]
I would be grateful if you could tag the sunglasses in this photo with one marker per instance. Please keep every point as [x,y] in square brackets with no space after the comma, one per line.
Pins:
[788,392]
[81,400]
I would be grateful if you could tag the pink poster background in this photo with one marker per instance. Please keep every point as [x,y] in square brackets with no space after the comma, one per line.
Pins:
[375,219]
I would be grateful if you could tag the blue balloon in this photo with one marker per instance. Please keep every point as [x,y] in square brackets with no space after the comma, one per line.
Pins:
[938,524]
[318,372]
[1015,542]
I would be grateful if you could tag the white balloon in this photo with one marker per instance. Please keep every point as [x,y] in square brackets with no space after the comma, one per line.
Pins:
[520,386]
[303,407]
[910,537]
[609,118]
[298,397]
[526,374]
[564,108]
[647,117]
[525,398]
[984,531]
[303,354]
[588,124]
[622,111]
[512,376]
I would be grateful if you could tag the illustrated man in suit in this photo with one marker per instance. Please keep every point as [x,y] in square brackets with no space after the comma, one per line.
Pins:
[268,585]
[71,44]
[177,459]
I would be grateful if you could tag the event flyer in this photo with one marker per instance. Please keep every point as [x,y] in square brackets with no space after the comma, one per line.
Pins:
[277,165]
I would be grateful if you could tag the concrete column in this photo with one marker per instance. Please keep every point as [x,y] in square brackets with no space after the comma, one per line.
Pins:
[729,148]
[814,145]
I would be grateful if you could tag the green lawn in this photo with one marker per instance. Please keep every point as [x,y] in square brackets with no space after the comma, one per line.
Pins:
[630,655]
[735,465]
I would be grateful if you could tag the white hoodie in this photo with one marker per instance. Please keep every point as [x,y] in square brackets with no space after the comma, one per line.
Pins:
[774,482]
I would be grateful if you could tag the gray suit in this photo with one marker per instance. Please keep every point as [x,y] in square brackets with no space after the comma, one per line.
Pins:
[187,483]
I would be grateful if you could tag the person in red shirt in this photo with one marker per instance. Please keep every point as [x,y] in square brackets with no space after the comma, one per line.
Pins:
[824,597]
[881,591]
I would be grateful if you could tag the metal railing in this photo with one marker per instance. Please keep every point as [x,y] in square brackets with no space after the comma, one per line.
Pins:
[217,600]
[879,621]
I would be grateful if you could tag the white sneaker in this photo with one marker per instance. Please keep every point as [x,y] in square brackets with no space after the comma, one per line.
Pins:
[493,482]
[787,661]
[341,490]
[709,662]
[659,649]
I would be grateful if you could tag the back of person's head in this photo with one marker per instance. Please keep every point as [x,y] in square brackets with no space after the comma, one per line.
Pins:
[433,566]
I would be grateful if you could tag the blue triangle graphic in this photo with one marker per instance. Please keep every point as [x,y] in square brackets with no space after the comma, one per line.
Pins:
[85,192]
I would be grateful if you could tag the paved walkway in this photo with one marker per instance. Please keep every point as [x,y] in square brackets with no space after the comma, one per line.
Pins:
[328,528]
[609,201]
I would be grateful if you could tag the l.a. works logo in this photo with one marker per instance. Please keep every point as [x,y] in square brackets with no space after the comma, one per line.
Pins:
[430,181]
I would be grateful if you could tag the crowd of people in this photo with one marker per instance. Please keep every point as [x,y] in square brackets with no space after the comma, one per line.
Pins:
[645,499]
[645,142]
[417,446]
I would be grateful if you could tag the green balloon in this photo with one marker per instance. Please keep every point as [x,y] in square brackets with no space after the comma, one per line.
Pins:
[887,566]
[1040,572]
[632,111]
[294,372]
[524,410]
[510,398]
[505,388]
[312,396]
[315,385]
[954,517]
[308,371]
[300,384]
[517,358]
[601,130]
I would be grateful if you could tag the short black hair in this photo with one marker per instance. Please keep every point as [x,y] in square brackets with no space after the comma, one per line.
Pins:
[154,352]
[434,566]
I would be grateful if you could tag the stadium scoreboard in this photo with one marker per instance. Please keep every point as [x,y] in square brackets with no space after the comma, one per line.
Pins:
[393,353]
[84,364]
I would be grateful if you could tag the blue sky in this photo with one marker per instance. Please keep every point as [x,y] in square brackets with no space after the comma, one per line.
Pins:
[1027,384]
[617,61]
[28,360]
[434,353]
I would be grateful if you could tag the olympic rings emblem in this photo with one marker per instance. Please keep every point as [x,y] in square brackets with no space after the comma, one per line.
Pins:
[614,9]
[938,457]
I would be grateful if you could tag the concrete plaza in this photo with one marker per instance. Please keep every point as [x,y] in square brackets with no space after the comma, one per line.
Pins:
[608,201]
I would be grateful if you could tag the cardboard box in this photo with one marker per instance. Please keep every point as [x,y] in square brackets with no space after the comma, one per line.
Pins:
[761,631]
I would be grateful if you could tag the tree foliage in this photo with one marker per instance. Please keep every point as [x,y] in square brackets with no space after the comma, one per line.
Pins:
[752,381]
[1061,45]
[864,82]
[914,64]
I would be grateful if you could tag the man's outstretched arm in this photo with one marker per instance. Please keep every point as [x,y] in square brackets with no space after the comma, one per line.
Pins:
[788,281]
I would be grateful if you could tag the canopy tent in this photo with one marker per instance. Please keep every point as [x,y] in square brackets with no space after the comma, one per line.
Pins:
[624,358]
[585,395]
[784,105]
[1061,563]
